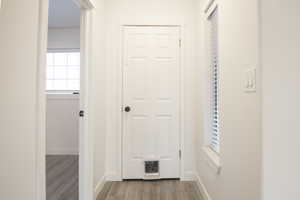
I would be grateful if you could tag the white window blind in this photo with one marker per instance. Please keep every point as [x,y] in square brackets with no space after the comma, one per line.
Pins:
[215,137]
[63,71]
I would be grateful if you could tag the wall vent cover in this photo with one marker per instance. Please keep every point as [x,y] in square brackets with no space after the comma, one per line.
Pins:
[152,167]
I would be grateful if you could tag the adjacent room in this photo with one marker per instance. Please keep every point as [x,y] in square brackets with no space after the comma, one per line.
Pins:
[62,105]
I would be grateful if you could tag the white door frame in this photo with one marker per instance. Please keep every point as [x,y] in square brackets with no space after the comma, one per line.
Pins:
[86,190]
[120,93]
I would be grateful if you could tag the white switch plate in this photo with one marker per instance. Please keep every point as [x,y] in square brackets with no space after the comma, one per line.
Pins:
[250,80]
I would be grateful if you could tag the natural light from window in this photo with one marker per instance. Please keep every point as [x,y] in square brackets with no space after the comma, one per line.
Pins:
[215,137]
[63,71]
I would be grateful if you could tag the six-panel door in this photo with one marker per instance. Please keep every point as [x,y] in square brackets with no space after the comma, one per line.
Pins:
[151,88]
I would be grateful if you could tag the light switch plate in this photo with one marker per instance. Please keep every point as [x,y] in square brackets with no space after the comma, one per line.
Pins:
[250,80]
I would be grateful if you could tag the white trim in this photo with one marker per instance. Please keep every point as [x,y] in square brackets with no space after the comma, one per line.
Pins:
[62,96]
[208,5]
[211,9]
[99,186]
[63,50]
[119,173]
[64,28]
[84,4]
[86,151]
[120,95]
[62,152]
[86,190]
[188,176]
[202,188]
[113,177]
[182,100]
[63,92]
[41,101]
[212,159]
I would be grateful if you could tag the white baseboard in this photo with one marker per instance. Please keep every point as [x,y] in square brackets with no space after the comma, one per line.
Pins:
[99,186]
[188,176]
[202,187]
[62,152]
[113,177]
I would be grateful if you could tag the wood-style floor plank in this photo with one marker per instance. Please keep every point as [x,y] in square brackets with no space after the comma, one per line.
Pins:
[62,184]
[62,177]
[150,190]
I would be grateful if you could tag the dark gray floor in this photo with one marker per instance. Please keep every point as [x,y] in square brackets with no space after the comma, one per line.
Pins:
[150,190]
[62,177]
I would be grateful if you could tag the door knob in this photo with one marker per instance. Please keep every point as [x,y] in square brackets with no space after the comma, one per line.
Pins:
[81,113]
[127,109]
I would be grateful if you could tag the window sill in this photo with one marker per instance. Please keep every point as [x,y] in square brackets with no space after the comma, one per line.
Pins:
[64,96]
[60,92]
[212,159]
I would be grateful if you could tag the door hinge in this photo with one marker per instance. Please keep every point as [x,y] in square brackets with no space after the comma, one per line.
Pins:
[179,42]
[179,154]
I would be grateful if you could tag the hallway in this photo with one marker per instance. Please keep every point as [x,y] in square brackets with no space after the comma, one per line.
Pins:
[150,190]
[199,98]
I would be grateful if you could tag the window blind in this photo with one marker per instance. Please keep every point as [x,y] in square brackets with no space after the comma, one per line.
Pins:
[215,137]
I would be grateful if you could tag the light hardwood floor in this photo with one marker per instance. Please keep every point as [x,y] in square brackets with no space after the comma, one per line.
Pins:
[62,177]
[62,184]
[150,190]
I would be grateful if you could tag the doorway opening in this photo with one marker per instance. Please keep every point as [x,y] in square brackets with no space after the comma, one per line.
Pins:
[62,100]
[64,154]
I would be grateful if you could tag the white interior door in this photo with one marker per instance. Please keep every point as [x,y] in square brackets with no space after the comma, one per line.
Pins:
[86,191]
[151,88]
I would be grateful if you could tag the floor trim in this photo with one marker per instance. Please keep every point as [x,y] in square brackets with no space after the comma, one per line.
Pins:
[62,152]
[202,188]
[113,177]
[99,186]
[188,176]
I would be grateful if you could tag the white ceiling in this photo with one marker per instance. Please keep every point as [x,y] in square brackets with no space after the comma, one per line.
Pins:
[63,14]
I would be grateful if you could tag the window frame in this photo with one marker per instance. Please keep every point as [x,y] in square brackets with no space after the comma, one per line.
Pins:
[214,65]
[210,154]
[63,50]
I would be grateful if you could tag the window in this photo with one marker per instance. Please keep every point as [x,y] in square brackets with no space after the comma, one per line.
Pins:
[214,62]
[63,71]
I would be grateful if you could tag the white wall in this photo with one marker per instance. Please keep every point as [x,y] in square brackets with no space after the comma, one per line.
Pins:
[240,112]
[143,12]
[18,86]
[97,95]
[280,29]
[64,38]
[62,127]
